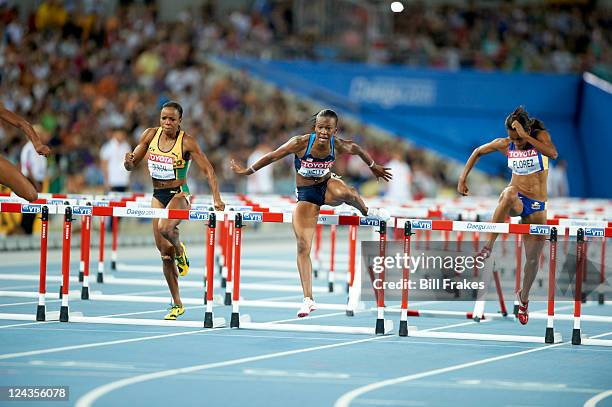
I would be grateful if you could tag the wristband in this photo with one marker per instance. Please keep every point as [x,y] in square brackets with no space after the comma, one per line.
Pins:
[253,170]
[372,165]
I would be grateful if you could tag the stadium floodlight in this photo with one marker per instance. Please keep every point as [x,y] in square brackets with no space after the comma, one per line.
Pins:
[397,7]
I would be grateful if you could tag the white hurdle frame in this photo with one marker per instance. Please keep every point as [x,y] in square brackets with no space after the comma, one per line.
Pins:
[334,219]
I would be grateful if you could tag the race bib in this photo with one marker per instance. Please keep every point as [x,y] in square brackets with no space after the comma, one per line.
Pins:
[161,166]
[314,169]
[524,162]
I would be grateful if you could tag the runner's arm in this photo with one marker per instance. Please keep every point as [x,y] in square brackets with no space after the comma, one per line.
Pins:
[134,158]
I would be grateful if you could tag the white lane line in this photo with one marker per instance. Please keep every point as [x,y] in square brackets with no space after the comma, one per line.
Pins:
[393,403]
[346,399]
[452,326]
[97,344]
[592,402]
[90,345]
[89,398]
[308,375]
[27,323]
[52,301]
[26,303]
[15,287]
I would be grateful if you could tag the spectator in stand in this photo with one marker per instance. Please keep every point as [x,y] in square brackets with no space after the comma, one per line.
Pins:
[399,189]
[558,185]
[75,65]
[116,178]
[262,182]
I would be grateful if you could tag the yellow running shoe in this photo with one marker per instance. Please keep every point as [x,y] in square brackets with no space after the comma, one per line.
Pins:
[182,262]
[175,311]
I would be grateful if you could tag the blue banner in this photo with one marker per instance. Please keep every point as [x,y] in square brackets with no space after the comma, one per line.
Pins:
[596,135]
[449,112]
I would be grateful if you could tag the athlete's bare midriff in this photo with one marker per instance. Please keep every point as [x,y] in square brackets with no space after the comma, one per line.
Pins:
[532,186]
[173,183]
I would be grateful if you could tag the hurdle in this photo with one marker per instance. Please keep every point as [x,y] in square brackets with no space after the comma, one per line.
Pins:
[602,273]
[64,314]
[581,255]
[408,225]
[550,335]
[42,286]
[385,328]
[222,235]
[278,217]
[406,332]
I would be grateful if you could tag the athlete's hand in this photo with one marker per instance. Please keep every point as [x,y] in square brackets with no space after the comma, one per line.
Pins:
[237,168]
[219,205]
[42,149]
[462,187]
[382,172]
[128,161]
[519,129]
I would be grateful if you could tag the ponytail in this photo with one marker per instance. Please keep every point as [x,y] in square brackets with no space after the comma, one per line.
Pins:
[520,115]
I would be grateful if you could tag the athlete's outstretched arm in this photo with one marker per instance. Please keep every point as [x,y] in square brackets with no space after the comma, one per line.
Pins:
[543,143]
[499,144]
[22,124]
[347,146]
[294,145]
[191,146]
[132,159]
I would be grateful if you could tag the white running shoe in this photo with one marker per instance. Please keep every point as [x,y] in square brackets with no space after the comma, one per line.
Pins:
[307,307]
[379,213]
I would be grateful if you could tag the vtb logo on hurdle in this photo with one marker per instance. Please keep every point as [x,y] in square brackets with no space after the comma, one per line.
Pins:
[81,210]
[252,217]
[27,208]
[369,222]
[198,215]
[421,224]
[539,230]
[594,232]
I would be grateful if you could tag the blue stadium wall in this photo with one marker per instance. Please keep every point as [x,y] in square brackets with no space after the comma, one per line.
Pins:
[452,113]
[595,130]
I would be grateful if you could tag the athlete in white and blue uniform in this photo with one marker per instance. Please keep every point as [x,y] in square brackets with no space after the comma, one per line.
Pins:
[315,154]
[526,162]
[527,148]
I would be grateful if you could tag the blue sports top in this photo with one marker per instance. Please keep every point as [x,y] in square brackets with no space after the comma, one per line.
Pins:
[313,167]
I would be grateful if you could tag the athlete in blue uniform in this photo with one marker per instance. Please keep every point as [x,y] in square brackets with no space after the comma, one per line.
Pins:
[315,154]
[528,148]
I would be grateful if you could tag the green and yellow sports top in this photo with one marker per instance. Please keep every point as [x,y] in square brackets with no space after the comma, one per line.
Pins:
[167,165]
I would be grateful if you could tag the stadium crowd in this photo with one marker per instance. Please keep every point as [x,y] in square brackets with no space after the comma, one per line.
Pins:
[84,74]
